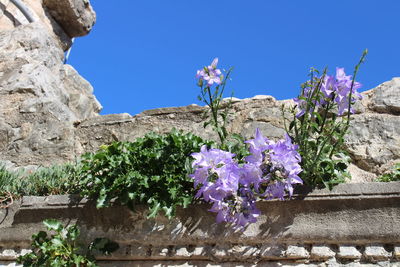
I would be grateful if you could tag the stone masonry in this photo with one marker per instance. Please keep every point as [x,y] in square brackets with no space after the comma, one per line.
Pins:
[352,225]
[49,114]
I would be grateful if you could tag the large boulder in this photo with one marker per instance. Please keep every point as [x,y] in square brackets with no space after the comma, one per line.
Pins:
[386,97]
[64,19]
[76,17]
[374,135]
[40,98]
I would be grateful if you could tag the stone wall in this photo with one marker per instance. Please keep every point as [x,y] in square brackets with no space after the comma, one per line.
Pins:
[373,141]
[355,224]
[48,113]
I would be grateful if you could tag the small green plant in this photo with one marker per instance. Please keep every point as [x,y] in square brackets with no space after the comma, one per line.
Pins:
[212,97]
[320,120]
[8,186]
[57,179]
[152,170]
[212,85]
[58,250]
[392,176]
[53,180]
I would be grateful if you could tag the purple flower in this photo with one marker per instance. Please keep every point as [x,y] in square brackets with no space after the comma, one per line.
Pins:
[275,189]
[257,145]
[211,158]
[302,104]
[328,86]
[343,88]
[285,162]
[238,209]
[248,211]
[250,175]
[270,172]
[274,164]
[337,87]
[216,173]
[210,74]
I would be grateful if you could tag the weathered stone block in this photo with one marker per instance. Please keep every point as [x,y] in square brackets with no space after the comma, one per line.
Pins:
[348,253]
[321,252]
[272,252]
[297,252]
[376,253]
[396,252]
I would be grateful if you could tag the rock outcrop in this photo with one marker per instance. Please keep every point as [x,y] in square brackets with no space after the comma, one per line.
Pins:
[76,17]
[48,113]
[41,97]
[64,19]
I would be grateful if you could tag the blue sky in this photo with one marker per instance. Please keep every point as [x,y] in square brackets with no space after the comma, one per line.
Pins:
[144,54]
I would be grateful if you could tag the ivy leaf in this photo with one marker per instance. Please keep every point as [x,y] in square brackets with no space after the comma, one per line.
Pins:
[154,210]
[57,242]
[101,200]
[52,224]
[169,211]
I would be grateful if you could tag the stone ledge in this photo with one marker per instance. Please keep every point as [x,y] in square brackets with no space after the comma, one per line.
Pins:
[236,253]
[342,191]
[353,222]
[352,190]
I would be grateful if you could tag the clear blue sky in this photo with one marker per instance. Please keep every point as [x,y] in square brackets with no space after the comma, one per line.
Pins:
[144,54]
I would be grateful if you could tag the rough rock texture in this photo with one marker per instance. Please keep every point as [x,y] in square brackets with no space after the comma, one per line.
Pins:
[40,97]
[386,98]
[75,16]
[374,136]
[64,19]
[354,224]
[248,114]
[48,112]
[373,140]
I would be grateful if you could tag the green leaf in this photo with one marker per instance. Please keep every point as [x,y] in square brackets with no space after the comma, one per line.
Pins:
[187,201]
[58,250]
[154,210]
[52,224]
[57,242]
[152,167]
[101,200]
[169,211]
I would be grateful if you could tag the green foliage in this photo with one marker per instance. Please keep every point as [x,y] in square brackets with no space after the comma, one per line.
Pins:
[392,176]
[235,143]
[8,186]
[8,180]
[54,180]
[320,139]
[218,115]
[57,179]
[152,170]
[212,97]
[320,134]
[58,250]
